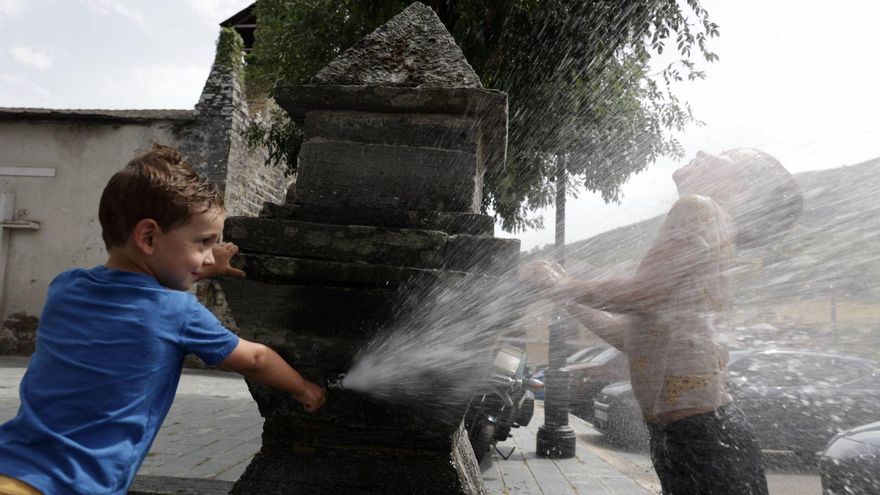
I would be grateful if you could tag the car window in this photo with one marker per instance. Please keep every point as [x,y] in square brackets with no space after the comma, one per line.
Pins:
[584,355]
[577,356]
[606,356]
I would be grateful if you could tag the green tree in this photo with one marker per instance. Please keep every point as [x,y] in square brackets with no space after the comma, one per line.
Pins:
[577,73]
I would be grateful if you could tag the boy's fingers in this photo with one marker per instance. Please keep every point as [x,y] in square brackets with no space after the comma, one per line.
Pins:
[235,272]
[227,248]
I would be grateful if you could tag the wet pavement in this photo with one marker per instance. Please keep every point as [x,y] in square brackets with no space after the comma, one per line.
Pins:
[786,473]
[593,470]
[213,430]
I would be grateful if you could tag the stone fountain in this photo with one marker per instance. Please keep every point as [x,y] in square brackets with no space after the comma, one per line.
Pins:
[399,133]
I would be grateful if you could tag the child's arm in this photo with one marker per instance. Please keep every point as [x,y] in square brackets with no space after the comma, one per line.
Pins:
[679,248]
[261,364]
[223,253]
[609,327]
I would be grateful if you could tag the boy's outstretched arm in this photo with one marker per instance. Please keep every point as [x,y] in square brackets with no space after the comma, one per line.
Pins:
[222,254]
[261,364]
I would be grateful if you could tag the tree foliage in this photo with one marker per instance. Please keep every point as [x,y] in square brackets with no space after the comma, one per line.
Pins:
[577,73]
[229,51]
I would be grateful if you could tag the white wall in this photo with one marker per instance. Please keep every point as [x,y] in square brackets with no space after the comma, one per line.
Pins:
[85,155]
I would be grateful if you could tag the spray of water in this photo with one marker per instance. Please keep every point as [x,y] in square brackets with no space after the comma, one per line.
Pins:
[440,345]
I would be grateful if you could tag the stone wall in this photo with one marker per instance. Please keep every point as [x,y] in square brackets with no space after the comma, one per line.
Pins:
[249,181]
[217,147]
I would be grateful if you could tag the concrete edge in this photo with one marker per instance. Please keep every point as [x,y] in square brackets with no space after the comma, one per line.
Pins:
[167,485]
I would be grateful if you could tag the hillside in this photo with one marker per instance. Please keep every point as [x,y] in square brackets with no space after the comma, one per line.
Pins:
[832,251]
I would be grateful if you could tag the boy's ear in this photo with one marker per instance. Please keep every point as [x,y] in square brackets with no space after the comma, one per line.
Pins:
[144,234]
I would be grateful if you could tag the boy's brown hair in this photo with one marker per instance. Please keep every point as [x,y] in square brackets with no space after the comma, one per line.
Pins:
[158,184]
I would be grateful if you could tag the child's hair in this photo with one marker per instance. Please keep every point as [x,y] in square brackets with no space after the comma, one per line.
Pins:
[158,184]
[774,202]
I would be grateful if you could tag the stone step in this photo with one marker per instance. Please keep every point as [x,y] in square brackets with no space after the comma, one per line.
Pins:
[416,130]
[318,323]
[363,175]
[449,222]
[423,249]
[288,270]
[402,247]
[489,107]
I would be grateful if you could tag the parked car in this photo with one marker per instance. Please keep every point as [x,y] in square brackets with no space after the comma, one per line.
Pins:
[617,415]
[591,376]
[850,464]
[797,400]
[585,354]
[580,356]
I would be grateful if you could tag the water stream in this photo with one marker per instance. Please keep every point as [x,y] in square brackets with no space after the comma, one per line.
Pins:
[442,342]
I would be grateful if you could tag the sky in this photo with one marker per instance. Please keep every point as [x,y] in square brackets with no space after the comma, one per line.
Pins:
[797,79]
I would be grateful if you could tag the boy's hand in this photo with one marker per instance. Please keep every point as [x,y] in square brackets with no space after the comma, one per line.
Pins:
[223,253]
[312,397]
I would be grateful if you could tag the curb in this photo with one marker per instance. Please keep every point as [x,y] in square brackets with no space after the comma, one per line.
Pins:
[167,485]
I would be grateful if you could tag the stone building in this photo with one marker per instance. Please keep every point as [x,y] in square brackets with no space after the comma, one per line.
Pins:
[56,163]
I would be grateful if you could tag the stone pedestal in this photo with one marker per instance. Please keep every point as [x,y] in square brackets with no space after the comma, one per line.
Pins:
[387,197]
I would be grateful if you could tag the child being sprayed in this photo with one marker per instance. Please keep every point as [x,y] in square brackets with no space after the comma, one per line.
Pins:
[112,339]
[665,317]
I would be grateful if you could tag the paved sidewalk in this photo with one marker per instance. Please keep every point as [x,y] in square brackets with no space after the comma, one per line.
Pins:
[593,470]
[213,430]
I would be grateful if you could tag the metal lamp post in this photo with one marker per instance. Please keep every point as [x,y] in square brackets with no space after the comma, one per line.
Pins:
[556,439]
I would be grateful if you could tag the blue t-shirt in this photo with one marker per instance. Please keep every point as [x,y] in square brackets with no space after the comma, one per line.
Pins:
[110,348]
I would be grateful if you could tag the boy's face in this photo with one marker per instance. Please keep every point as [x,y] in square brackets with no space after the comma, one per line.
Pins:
[181,253]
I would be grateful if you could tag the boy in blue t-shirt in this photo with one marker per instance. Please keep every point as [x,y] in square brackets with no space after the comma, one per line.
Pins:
[112,339]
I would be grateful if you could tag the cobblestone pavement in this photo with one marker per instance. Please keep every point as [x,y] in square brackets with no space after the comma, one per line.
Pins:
[213,430]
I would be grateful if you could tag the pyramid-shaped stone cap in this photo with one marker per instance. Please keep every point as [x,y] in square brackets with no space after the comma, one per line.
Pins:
[413,49]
